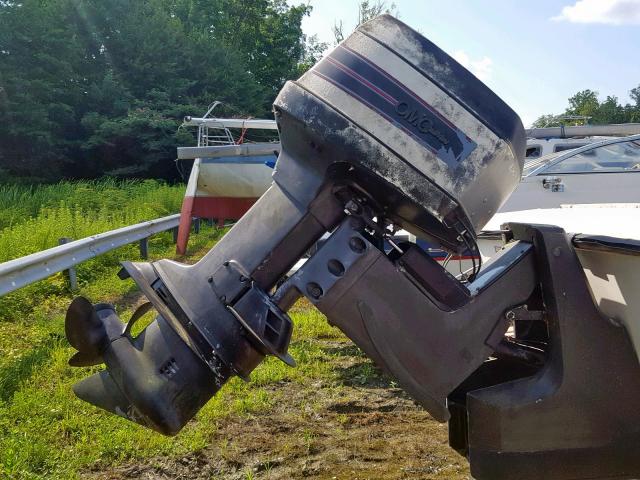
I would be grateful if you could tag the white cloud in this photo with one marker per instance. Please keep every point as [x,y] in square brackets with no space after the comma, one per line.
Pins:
[610,12]
[481,67]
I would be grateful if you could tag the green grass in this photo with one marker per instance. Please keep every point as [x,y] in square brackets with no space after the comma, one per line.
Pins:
[45,431]
[75,210]
[19,203]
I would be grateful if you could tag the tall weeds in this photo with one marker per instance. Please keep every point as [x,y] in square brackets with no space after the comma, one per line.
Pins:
[19,203]
[34,218]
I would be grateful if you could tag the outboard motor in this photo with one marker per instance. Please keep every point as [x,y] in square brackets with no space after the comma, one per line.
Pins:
[387,132]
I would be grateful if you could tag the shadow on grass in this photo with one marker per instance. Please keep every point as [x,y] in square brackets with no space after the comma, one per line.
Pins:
[364,374]
[357,407]
[12,375]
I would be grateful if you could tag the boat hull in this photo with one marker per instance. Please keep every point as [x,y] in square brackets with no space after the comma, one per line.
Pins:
[222,189]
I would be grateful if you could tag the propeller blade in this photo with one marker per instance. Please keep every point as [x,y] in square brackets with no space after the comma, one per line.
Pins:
[81,359]
[83,328]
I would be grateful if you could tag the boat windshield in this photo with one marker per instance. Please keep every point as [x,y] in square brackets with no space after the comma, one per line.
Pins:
[620,156]
[613,157]
[536,163]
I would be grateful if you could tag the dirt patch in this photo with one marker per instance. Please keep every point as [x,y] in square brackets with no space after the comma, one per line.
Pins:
[362,428]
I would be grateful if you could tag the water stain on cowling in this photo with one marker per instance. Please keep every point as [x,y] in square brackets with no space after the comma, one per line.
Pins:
[346,141]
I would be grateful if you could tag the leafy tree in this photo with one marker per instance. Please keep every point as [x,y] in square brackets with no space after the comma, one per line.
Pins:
[94,87]
[635,95]
[40,86]
[585,105]
[265,34]
[609,111]
[549,120]
[312,54]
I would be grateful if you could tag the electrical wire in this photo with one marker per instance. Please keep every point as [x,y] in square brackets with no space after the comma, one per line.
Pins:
[473,249]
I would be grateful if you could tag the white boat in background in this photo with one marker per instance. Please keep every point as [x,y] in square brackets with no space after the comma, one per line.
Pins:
[531,201]
[540,147]
[232,168]
[593,189]
[604,175]
[545,141]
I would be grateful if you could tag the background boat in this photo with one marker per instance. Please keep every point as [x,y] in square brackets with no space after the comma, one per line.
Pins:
[232,168]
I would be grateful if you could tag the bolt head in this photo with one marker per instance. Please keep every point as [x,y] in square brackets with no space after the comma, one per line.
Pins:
[314,290]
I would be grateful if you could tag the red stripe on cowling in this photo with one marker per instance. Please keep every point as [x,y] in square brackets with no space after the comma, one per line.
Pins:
[403,87]
[380,112]
[353,74]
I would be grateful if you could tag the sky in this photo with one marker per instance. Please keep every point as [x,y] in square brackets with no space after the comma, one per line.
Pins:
[534,54]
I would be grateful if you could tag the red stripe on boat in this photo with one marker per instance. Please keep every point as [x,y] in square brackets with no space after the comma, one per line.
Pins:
[220,208]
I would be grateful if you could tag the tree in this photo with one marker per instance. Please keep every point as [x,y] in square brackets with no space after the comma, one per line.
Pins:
[635,95]
[265,34]
[367,10]
[585,106]
[312,53]
[609,111]
[94,87]
[548,120]
[583,103]
[40,86]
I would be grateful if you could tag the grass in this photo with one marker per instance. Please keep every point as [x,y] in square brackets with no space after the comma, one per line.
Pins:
[19,203]
[75,211]
[45,431]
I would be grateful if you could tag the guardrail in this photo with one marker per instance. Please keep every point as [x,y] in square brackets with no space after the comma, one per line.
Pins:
[22,271]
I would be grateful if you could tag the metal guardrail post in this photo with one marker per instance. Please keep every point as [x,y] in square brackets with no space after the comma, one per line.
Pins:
[175,234]
[144,248]
[71,273]
[196,225]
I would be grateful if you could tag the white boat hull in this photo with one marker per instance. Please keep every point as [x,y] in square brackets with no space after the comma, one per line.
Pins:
[229,180]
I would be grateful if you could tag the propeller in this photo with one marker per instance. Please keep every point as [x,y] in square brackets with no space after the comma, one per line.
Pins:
[90,329]
[153,379]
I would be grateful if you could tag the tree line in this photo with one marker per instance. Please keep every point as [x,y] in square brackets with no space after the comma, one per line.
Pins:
[94,87]
[99,87]
[585,107]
